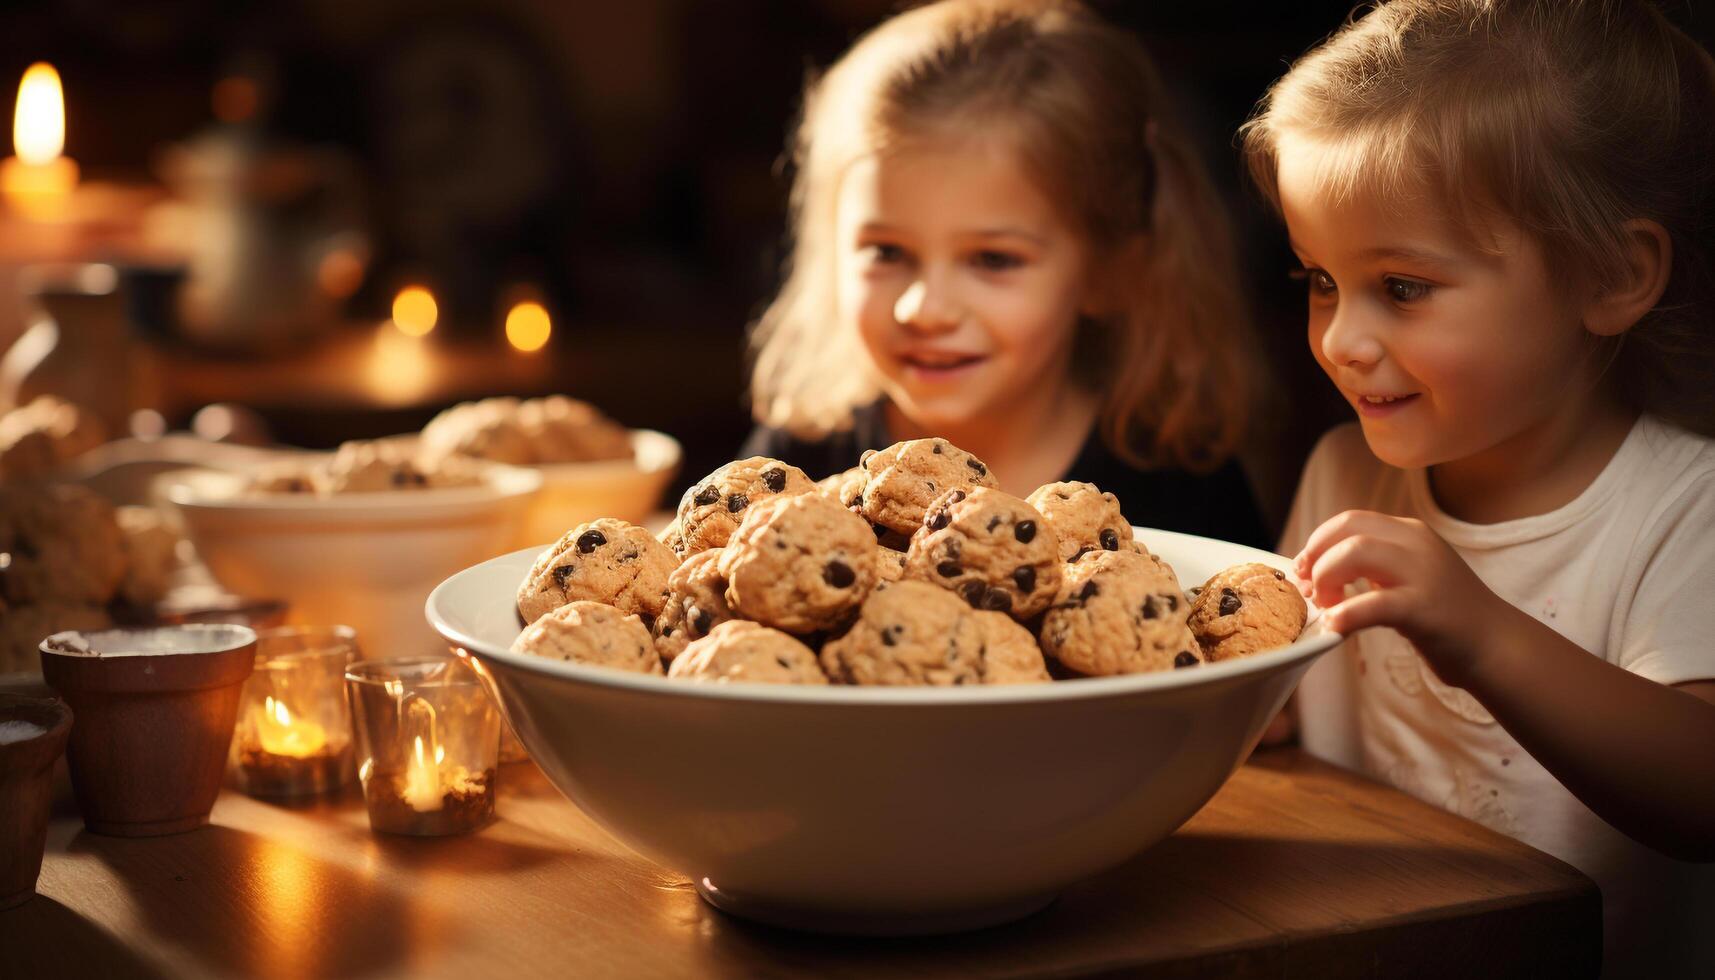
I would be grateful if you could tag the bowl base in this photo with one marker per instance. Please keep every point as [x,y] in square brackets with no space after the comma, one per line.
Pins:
[863,923]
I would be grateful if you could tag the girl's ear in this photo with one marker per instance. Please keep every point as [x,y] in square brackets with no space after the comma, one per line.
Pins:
[1105,293]
[1649,262]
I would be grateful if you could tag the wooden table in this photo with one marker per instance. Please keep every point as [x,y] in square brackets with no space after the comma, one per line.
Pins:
[1294,869]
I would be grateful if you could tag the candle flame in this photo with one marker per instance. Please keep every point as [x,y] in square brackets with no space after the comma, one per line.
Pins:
[281,734]
[414,311]
[278,710]
[39,125]
[422,778]
[528,326]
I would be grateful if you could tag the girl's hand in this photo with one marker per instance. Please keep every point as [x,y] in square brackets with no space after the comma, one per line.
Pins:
[1419,587]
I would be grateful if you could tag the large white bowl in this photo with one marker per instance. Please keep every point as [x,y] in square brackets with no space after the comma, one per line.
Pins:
[880,810]
[366,560]
[627,489]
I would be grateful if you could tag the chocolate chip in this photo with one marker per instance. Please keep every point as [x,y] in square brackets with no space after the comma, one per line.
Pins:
[1194,591]
[561,574]
[782,662]
[936,449]
[706,495]
[1110,540]
[838,574]
[949,569]
[998,600]
[1025,577]
[954,496]
[1229,602]
[590,541]
[972,592]
[951,548]
[1185,659]
[978,466]
[1024,531]
[1081,553]
[938,519]
[994,522]
[701,621]
[1149,610]
[890,635]
[1062,495]
[774,479]
[1090,590]
[1279,576]
[1172,603]
[737,502]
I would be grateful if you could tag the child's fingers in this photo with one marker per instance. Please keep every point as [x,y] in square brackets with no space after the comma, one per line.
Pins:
[1333,530]
[1360,556]
[1378,607]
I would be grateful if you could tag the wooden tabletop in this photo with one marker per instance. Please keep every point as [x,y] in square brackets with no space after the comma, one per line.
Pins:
[1294,869]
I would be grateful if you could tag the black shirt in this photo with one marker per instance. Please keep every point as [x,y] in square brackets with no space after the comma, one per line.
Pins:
[1215,505]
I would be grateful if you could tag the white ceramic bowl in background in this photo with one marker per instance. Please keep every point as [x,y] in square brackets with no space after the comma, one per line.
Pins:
[880,810]
[366,560]
[626,489]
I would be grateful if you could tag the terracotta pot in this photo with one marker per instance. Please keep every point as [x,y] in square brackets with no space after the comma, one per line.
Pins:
[155,712]
[26,788]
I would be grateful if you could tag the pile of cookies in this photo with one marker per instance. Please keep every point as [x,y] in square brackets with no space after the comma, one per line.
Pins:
[67,555]
[911,568]
[454,446]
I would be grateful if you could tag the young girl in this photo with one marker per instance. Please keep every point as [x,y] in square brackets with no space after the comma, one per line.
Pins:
[1001,239]
[1505,214]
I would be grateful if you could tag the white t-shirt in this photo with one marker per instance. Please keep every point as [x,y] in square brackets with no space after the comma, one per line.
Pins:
[1625,571]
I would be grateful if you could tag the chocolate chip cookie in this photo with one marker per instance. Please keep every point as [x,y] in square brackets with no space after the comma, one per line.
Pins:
[1084,518]
[711,509]
[1010,654]
[1246,609]
[696,604]
[1119,613]
[799,563]
[910,633]
[59,543]
[845,487]
[991,548]
[902,480]
[591,633]
[605,560]
[750,653]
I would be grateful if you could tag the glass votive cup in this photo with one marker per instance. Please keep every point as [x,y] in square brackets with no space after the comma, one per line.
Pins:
[428,741]
[294,722]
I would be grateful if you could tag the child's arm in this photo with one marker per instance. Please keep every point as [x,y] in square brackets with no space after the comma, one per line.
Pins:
[1636,752]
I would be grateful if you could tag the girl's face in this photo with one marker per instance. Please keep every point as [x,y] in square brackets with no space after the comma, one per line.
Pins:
[1445,351]
[960,276]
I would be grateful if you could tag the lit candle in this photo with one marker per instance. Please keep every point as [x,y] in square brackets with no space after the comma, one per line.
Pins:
[423,778]
[281,734]
[38,181]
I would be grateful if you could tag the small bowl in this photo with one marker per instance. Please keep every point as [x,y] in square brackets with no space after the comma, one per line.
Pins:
[881,810]
[155,711]
[363,559]
[626,489]
[26,788]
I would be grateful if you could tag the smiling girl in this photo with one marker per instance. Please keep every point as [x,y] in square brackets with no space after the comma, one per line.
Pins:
[1504,213]
[1000,238]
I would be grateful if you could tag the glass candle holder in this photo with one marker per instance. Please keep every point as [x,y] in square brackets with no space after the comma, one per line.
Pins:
[428,741]
[294,723]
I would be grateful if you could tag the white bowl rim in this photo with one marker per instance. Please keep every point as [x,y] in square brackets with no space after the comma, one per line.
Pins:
[1309,645]
[501,483]
[668,448]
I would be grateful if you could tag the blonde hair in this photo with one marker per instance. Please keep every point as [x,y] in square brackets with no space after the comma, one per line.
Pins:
[1569,117]
[1088,109]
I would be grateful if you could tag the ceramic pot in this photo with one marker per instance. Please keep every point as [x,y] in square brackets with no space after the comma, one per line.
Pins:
[26,788]
[155,712]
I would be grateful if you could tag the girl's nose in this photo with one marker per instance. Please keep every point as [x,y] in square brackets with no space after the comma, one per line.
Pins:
[925,306]
[1349,341]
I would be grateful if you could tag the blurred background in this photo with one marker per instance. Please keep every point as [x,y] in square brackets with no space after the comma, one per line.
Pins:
[330,220]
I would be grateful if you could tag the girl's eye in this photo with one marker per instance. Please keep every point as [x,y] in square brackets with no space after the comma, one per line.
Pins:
[883,252]
[993,261]
[1407,290]
[1321,283]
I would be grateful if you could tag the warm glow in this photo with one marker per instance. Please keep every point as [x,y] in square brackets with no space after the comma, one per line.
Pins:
[281,734]
[527,326]
[414,311]
[399,369]
[39,126]
[423,778]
